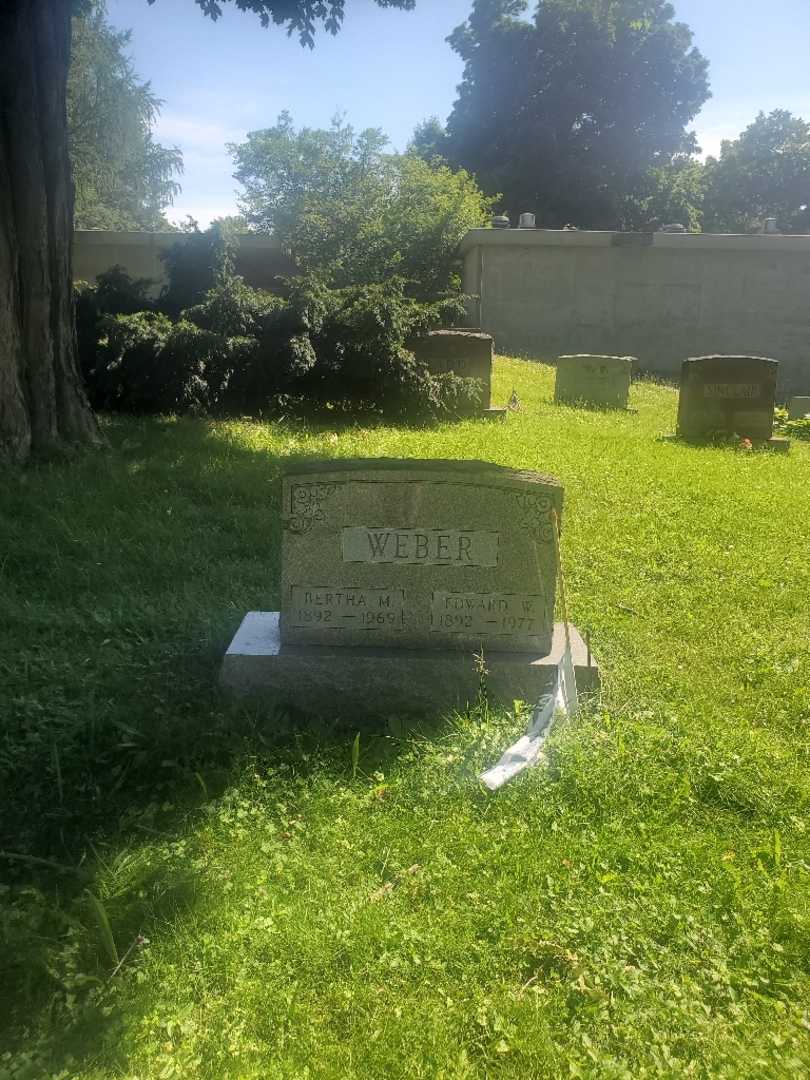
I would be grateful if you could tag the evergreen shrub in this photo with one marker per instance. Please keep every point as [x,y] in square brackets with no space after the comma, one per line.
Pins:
[238,350]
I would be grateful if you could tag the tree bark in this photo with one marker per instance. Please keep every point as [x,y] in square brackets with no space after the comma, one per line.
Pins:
[43,407]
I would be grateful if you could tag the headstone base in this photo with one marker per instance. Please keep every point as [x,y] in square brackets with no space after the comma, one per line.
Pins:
[780,445]
[495,412]
[776,443]
[351,681]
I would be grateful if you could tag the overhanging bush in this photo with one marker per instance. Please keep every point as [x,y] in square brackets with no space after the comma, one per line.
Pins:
[127,361]
[795,429]
[232,308]
[240,350]
[363,360]
[114,293]
[148,364]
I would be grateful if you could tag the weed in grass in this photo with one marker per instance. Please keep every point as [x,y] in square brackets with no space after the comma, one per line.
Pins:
[105,930]
[355,755]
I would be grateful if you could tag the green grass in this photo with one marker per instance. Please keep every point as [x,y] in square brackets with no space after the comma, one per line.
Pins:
[195,889]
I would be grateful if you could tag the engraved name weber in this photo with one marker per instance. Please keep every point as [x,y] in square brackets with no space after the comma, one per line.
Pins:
[426,547]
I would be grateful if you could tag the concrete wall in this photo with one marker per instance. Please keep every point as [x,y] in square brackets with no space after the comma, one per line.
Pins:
[661,297]
[259,258]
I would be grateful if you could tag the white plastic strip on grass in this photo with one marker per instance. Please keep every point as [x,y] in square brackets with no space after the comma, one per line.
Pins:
[562,698]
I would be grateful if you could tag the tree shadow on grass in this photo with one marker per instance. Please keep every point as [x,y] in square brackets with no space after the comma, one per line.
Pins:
[60,972]
[120,608]
[79,934]
[127,576]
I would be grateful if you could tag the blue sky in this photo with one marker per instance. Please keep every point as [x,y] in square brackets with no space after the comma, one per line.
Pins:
[390,69]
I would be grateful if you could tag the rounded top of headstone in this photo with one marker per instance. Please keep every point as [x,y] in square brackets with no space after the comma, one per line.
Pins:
[299,466]
[798,407]
[597,356]
[730,358]
[458,331]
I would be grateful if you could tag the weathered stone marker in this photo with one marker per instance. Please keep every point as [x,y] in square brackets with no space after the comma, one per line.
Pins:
[798,408]
[603,381]
[727,396]
[467,353]
[395,574]
[443,554]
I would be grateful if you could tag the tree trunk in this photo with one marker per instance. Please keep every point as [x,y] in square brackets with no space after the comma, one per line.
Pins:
[43,407]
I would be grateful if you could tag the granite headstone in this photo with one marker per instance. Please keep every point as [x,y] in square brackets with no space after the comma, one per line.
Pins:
[407,554]
[798,408]
[395,575]
[467,353]
[727,396]
[603,381]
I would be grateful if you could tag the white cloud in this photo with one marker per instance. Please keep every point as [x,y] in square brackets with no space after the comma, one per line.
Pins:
[208,188]
[709,140]
[717,122]
[190,134]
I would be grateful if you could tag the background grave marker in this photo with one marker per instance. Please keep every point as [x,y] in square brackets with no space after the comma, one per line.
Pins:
[603,381]
[727,396]
[798,408]
[467,353]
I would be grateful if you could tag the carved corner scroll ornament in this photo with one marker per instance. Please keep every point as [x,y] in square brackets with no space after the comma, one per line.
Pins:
[305,506]
[534,513]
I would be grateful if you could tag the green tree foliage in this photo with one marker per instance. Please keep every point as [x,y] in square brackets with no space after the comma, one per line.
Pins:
[669,194]
[123,178]
[764,173]
[302,17]
[44,409]
[351,212]
[567,112]
[196,262]
[428,139]
[235,349]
